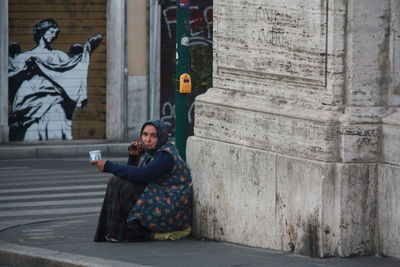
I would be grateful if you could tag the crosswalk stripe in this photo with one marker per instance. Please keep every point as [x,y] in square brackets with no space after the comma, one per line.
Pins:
[42,212]
[52,177]
[51,203]
[44,172]
[55,188]
[36,191]
[13,168]
[66,181]
[11,171]
[44,196]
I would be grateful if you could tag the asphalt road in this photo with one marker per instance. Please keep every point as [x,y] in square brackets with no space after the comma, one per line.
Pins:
[34,190]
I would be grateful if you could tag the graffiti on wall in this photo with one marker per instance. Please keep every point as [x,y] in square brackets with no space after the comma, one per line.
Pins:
[200,69]
[168,113]
[47,85]
[200,24]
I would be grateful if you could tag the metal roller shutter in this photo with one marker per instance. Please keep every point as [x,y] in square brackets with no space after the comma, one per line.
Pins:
[48,102]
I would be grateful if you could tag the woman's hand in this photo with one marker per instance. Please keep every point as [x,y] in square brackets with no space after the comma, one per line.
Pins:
[135,147]
[100,164]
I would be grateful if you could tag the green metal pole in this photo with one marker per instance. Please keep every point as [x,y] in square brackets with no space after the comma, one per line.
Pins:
[182,66]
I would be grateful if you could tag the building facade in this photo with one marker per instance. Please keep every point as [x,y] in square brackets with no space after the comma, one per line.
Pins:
[109,66]
[295,146]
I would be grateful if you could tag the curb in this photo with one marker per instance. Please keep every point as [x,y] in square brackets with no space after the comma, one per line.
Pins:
[18,255]
[61,150]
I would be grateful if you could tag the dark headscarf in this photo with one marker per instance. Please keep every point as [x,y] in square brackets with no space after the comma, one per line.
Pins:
[162,134]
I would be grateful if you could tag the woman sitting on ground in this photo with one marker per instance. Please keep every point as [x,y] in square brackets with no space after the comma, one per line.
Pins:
[152,194]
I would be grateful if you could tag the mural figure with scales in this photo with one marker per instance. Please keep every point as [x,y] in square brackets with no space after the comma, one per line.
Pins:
[47,85]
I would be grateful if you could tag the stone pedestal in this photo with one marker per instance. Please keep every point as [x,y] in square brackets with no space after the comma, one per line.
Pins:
[287,146]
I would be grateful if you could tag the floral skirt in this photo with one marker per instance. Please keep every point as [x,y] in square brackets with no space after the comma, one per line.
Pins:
[121,196]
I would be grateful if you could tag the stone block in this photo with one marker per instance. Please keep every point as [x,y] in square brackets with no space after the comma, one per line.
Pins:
[234,193]
[312,139]
[389,187]
[367,76]
[278,40]
[389,210]
[391,138]
[357,189]
[257,198]
[305,220]
[360,142]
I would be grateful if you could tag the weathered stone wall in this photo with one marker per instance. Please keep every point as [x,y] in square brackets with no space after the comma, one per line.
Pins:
[389,168]
[389,188]
[287,147]
[257,198]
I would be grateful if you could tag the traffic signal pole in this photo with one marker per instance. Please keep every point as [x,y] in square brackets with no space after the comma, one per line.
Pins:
[182,68]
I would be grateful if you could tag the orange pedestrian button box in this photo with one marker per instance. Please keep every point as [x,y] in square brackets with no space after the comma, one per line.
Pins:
[185,84]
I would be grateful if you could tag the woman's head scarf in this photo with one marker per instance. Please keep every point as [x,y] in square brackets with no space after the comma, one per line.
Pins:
[162,134]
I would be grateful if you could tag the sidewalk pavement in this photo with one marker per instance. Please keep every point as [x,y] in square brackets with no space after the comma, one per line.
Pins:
[68,242]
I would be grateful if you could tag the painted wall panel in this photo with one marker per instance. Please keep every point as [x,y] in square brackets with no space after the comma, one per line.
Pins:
[57,70]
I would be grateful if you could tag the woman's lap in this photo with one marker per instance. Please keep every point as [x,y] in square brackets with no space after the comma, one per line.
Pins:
[120,197]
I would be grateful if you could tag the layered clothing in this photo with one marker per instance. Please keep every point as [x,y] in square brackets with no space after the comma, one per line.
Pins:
[153,193]
[166,203]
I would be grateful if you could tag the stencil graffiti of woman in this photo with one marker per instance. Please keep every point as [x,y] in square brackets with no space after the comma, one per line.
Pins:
[47,85]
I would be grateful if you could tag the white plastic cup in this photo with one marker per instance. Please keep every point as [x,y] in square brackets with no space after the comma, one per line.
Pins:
[95,155]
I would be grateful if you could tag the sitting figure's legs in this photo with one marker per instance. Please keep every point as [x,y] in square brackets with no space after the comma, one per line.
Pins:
[120,197]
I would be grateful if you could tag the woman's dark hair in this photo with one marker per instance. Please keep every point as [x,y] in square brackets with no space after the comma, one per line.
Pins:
[39,29]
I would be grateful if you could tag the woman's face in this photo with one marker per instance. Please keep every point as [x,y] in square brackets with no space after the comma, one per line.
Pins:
[149,136]
[50,35]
